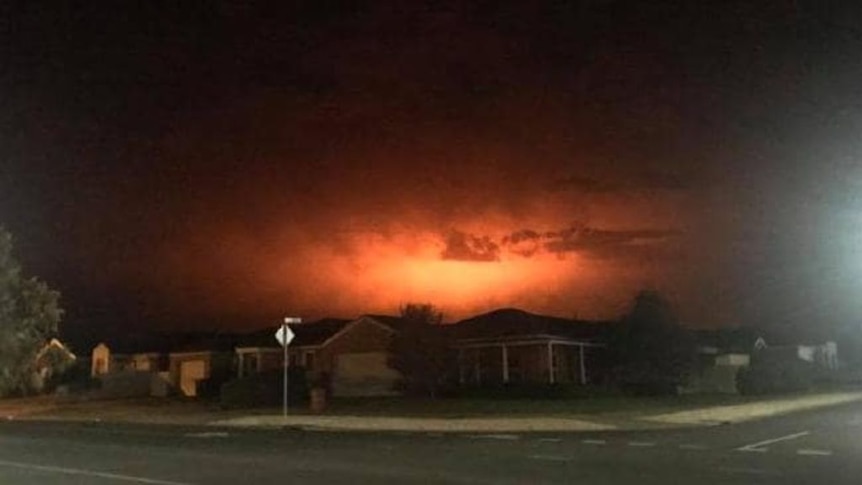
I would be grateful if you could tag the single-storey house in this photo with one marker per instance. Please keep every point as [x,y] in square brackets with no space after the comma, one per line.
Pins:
[129,355]
[720,355]
[130,367]
[356,358]
[514,346]
[822,355]
[209,359]
[53,357]
[260,352]
[160,364]
[350,356]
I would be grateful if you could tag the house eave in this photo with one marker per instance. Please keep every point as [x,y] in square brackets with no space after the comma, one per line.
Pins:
[273,350]
[524,340]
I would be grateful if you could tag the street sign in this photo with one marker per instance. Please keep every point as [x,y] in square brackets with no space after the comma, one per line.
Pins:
[284,335]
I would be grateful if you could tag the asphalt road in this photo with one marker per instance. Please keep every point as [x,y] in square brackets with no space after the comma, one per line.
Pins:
[822,447]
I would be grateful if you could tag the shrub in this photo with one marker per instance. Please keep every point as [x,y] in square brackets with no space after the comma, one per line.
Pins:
[264,389]
[76,378]
[770,374]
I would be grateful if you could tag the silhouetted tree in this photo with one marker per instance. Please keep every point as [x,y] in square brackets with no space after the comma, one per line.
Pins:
[29,316]
[652,352]
[420,350]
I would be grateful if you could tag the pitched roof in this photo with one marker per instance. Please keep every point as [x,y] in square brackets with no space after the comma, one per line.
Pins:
[735,339]
[510,322]
[144,343]
[317,332]
[305,334]
[165,343]
[217,342]
[263,337]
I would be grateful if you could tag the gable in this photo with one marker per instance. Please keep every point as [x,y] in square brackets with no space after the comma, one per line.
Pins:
[361,335]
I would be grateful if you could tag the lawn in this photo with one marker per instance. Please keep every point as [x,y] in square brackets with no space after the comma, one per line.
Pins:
[491,407]
[185,411]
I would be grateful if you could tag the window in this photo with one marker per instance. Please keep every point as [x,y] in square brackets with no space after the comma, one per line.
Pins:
[249,364]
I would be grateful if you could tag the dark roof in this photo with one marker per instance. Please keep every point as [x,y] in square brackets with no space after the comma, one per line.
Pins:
[218,342]
[264,337]
[305,334]
[508,323]
[317,332]
[163,343]
[735,339]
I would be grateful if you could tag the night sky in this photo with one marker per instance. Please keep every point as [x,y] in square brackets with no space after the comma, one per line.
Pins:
[174,166]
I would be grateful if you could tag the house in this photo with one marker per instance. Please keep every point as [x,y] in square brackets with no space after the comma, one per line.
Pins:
[134,366]
[207,360]
[158,365]
[513,346]
[356,358]
[821,355]
[53,358]
[720,355]
[127,355]
[351,356]
[260,352]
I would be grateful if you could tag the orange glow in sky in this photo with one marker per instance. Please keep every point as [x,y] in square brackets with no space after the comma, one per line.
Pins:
[460,285]
[379,274]
[372,252]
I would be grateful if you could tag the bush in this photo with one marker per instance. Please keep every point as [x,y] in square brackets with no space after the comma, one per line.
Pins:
[211,388]
[75,379]
[646,380]
[772,374]
[264,389]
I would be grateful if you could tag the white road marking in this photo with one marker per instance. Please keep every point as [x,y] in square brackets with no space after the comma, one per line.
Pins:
[208,434]
[641,444]
[550,458]
[506,437]
[693,447]
[810,452]
[88,473]
[753,450]
[593,442]
[550,440]
[759,446]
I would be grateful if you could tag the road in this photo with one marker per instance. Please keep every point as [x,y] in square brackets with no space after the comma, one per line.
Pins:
[823,446]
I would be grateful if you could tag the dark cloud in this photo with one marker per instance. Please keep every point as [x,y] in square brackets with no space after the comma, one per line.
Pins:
[587,241]
[601,243]
[461,246]
[524,243]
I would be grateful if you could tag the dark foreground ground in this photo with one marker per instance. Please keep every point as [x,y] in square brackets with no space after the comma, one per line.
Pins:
[823,446]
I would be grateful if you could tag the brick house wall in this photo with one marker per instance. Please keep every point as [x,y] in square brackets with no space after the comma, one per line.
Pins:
[360,337]
[363,348]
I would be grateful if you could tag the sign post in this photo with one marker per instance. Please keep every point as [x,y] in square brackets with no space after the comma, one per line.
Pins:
[284,335]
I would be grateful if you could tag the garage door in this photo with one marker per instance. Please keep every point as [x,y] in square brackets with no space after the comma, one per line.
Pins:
[191,371]
[363,374]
